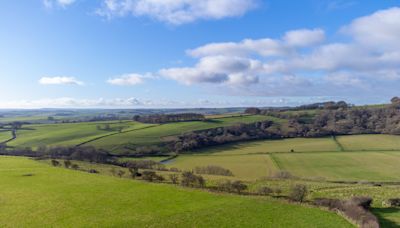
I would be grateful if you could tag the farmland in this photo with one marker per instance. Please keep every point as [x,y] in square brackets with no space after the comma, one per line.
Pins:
[51,196]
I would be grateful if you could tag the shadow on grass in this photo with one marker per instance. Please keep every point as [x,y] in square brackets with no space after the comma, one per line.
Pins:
[381,213]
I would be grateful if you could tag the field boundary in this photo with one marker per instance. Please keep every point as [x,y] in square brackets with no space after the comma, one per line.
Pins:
[340,146]
[275,162]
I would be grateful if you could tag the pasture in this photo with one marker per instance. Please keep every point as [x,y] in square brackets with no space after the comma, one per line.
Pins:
[272,146]
[156,135]
[370,142]
[67,134]
[5,135]
[37,195]
[244,167]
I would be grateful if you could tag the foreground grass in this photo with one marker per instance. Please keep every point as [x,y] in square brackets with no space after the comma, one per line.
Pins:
[51,197]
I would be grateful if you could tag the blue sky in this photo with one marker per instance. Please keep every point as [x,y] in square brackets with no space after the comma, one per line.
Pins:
[187,53]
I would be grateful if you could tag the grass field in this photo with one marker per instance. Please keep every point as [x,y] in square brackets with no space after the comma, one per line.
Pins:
[5,135]
[270,146]
[68,134]
[370,142]
[155,135]
[59,197]
[371,166]
[243,167]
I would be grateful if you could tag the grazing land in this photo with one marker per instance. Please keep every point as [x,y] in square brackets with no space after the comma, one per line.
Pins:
[272,146]
[370,142]
[349,166]
[245,167]
[48,196]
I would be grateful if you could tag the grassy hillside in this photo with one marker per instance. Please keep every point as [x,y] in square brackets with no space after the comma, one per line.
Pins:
[370,142]
[371,166]
[65,198]
[245,167]
[5,135]
[68,134]
[156,135]
[270,146]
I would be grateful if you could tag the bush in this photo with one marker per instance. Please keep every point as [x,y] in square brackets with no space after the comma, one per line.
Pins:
[299,193]
[75,166]
[229,186]
[93,171]
[395,202]
[189,179]
[152,176]
[264,190]
[55,163]
[120,173]
[67,164]
[282,175]
[174,178]
[355,209]
[213,170]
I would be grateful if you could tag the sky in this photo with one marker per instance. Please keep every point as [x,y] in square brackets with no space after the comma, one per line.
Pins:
[197,53]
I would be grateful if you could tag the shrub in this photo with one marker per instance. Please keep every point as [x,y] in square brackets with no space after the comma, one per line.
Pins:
[55,163]
[174,169]
[213,170]
[395,202]
[189,179]
[120,173]
[239,186]
[229,186]
[67,164]
[264,190]
[298,193]
[152,176]
[282,175]
[355,209]
[174,178]
[134,172]
[93,171]
[75,166]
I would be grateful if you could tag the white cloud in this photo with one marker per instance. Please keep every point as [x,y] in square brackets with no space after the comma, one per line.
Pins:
[62,3]
[127,80]
[379,30]
[217,69]
[302,62]
[60,81]
[304,37]
[177,11]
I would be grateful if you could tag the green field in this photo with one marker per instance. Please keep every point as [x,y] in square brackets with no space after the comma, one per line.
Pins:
[271,146]
[5,135]
[370,166]
[57,197]
[68,134]
[370,142]
[245,167]
[156,135]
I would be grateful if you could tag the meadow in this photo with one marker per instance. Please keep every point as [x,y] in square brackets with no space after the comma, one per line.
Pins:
[46,196]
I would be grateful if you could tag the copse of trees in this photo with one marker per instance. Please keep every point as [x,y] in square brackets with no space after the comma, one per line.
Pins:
[169,118]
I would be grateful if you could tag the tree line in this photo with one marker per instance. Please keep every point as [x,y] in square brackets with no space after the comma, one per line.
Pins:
[169,118]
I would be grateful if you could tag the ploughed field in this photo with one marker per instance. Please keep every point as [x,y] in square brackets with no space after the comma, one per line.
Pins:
[34,194]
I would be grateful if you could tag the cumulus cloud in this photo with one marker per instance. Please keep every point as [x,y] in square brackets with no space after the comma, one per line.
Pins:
[379,30]
[217,69]
[177,12]
[127,80]
[60,81]
[302,62]
[304,37]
